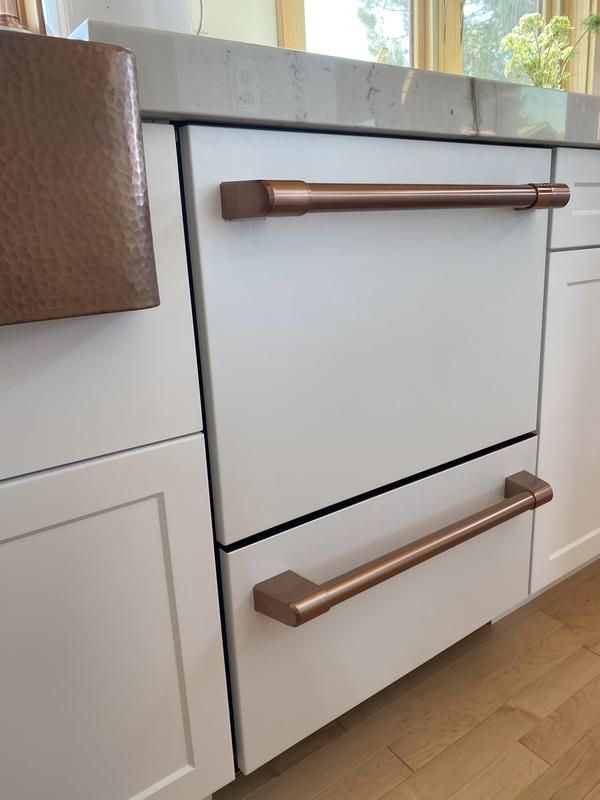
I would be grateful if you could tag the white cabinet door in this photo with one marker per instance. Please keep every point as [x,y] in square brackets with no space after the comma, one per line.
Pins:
[577,224]
[112,683]
[78,388]
[343,352]
[567,531]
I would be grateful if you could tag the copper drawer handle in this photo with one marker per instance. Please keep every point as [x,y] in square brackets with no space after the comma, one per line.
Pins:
[294,600]
[248,199]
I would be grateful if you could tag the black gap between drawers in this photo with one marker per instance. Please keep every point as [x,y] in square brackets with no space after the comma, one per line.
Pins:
[259,537]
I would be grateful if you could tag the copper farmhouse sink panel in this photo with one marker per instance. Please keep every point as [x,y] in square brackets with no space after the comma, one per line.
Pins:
[75,236]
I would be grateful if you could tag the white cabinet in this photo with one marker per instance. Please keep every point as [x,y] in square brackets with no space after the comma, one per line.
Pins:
[343,352]
[287,682]
[577,224]
[567,531]
[112,683]
[78,388]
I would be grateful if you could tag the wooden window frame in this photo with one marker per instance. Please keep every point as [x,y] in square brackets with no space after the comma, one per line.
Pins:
[437,33]
[33,15]
[582,67]
[28,12]
[291,27]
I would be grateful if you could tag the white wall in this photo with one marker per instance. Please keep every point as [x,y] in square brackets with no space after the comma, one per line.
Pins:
[241,20]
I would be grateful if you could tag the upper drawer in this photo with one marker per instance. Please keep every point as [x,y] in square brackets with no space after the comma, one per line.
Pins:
[342,352]
[78,388]
[577,224]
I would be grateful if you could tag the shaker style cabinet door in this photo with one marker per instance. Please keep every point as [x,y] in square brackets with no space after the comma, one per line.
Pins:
[567,531]
[112,683]
[346,351]
[73,389]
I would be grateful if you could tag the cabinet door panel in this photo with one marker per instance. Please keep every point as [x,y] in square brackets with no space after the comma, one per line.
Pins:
[567,531]
[577,224]
[112,683]
[79,388]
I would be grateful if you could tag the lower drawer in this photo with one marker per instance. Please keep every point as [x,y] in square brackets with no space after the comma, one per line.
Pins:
[287,682]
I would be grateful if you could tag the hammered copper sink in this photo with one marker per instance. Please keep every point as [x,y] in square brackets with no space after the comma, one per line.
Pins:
[75,235]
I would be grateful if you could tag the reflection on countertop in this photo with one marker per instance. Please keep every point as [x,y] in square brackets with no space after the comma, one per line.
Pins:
[187,77]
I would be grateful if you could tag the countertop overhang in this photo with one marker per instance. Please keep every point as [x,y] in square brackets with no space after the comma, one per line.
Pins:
[186,77]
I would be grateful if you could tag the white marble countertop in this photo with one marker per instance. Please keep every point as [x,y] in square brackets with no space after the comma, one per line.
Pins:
[184,77]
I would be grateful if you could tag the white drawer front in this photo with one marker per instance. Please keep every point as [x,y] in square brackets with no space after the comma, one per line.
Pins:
[112,681]
[567,533]
[287,682]
[78,388]
[577,225]
[342,352]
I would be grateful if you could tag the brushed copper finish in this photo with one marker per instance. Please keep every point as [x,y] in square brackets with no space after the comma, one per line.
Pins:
[75,235]
[248,199]
[294,600]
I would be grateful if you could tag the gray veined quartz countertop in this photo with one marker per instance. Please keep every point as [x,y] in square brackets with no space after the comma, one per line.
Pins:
[198,78]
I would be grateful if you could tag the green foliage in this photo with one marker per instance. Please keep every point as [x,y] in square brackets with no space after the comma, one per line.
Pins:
[592,23]
[374,14]
[485,23]
[541,53]
[533,52]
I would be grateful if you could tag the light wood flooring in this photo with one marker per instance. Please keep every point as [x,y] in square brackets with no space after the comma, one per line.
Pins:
[511,712]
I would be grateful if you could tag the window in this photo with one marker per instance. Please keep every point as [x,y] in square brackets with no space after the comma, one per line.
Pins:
[459,36]
[485,22]
[374,30]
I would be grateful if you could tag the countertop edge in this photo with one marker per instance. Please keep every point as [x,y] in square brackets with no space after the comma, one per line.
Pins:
[255,85]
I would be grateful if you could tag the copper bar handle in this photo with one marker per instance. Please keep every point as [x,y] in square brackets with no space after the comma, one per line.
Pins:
[250,199]
[294,600]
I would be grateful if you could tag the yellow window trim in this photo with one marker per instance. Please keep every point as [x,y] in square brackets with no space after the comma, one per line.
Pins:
[291,29]
[31,14]
[424,30]
[581,67]
[449,35]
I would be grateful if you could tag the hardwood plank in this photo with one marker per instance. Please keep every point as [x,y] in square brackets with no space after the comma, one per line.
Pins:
[556,734]
[572,777]
[594,794]
[542,601]
[579,609]
[557,686]
[370,780]
[457,719]
[245,785]
[462,761]
[461,697]
[415,678]
[594,647]
[514,771]
[306,747]
[328,765]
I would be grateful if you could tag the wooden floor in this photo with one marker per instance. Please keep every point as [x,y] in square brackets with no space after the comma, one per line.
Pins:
[513,711]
